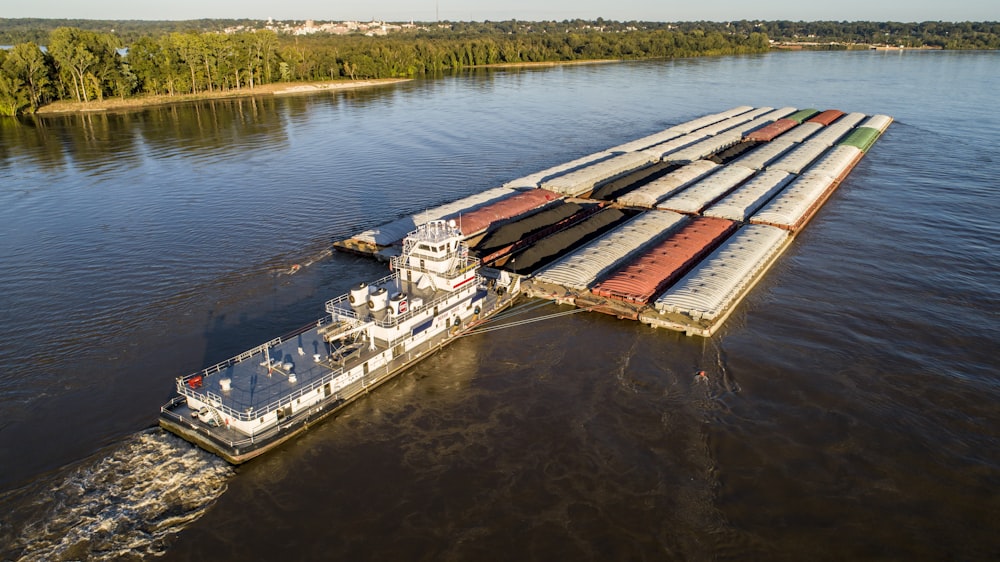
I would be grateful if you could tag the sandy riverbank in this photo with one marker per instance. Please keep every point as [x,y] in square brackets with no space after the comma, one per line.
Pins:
[283,88]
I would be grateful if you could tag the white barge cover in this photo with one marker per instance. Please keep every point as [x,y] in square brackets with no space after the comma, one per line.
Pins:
[801,132]
[761,156]
[648,141]
[584,267]
[879,122]
[744,202]
[794,204]
[769,116]
[732,122]
[715,283]
[833,132]
[704,148]
[390,233]
[707,120]
[799,158]
[664,148]
[678,131]
[585,179]
[837,162]
[653,192]
[533,180]
[701,194]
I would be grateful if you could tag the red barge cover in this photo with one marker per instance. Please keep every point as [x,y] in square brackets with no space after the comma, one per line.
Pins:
[661,265]
[827,117]
[768,132]
[480,219]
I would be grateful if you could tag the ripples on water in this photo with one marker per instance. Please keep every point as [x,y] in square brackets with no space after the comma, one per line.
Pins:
[848,412]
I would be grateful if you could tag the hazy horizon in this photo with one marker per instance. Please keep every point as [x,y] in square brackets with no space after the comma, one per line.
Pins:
[482,10]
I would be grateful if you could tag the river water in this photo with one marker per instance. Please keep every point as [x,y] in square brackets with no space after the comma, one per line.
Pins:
[850,410]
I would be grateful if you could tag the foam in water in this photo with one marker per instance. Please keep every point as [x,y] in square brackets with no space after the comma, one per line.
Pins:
[120,505]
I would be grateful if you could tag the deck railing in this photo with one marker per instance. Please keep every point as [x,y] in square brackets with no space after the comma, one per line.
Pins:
[216,402]
[338,307]
[223,365]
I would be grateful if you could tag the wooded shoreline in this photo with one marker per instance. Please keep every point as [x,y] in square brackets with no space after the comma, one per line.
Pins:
[95,68]
[86,66]
[63,107]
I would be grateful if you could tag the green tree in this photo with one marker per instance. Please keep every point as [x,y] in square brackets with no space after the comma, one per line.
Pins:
[143,59]
[191,52]
[28,65]
[88,62]
[13,94]
[73,59]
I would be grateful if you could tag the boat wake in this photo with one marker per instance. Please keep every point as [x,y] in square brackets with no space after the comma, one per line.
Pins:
[122,504]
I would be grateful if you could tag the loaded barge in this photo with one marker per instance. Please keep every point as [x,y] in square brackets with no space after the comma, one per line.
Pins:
[671,230]
[249,404]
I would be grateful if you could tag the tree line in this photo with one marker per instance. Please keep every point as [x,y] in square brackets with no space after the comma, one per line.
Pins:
[94,60]
[944,35]
[948,35]
[83,65]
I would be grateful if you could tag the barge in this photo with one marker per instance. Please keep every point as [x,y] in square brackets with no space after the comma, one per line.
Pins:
[725,194]
[247,405]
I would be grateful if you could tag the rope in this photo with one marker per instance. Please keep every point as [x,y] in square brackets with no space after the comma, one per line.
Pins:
[520,309]
[523,322]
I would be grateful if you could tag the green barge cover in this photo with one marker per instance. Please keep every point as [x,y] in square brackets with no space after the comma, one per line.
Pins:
[862,138]
[802,114]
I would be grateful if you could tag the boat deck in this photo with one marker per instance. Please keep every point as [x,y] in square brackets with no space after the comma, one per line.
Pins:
[254,383]
[287,367]
[303,362]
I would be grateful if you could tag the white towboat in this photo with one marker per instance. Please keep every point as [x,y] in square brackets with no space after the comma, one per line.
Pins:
[244,406]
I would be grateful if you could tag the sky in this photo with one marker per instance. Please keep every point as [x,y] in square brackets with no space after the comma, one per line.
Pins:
[495,10]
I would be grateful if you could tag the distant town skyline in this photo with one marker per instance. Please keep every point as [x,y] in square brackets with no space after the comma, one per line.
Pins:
[480,10]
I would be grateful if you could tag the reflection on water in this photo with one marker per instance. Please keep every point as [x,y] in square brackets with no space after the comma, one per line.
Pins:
[208,129]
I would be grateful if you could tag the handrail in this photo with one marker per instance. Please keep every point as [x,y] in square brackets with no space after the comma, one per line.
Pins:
[412,312]
[465,263]
[183,388]
[348,312]
[216,401]
[254,351]
[331,305]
